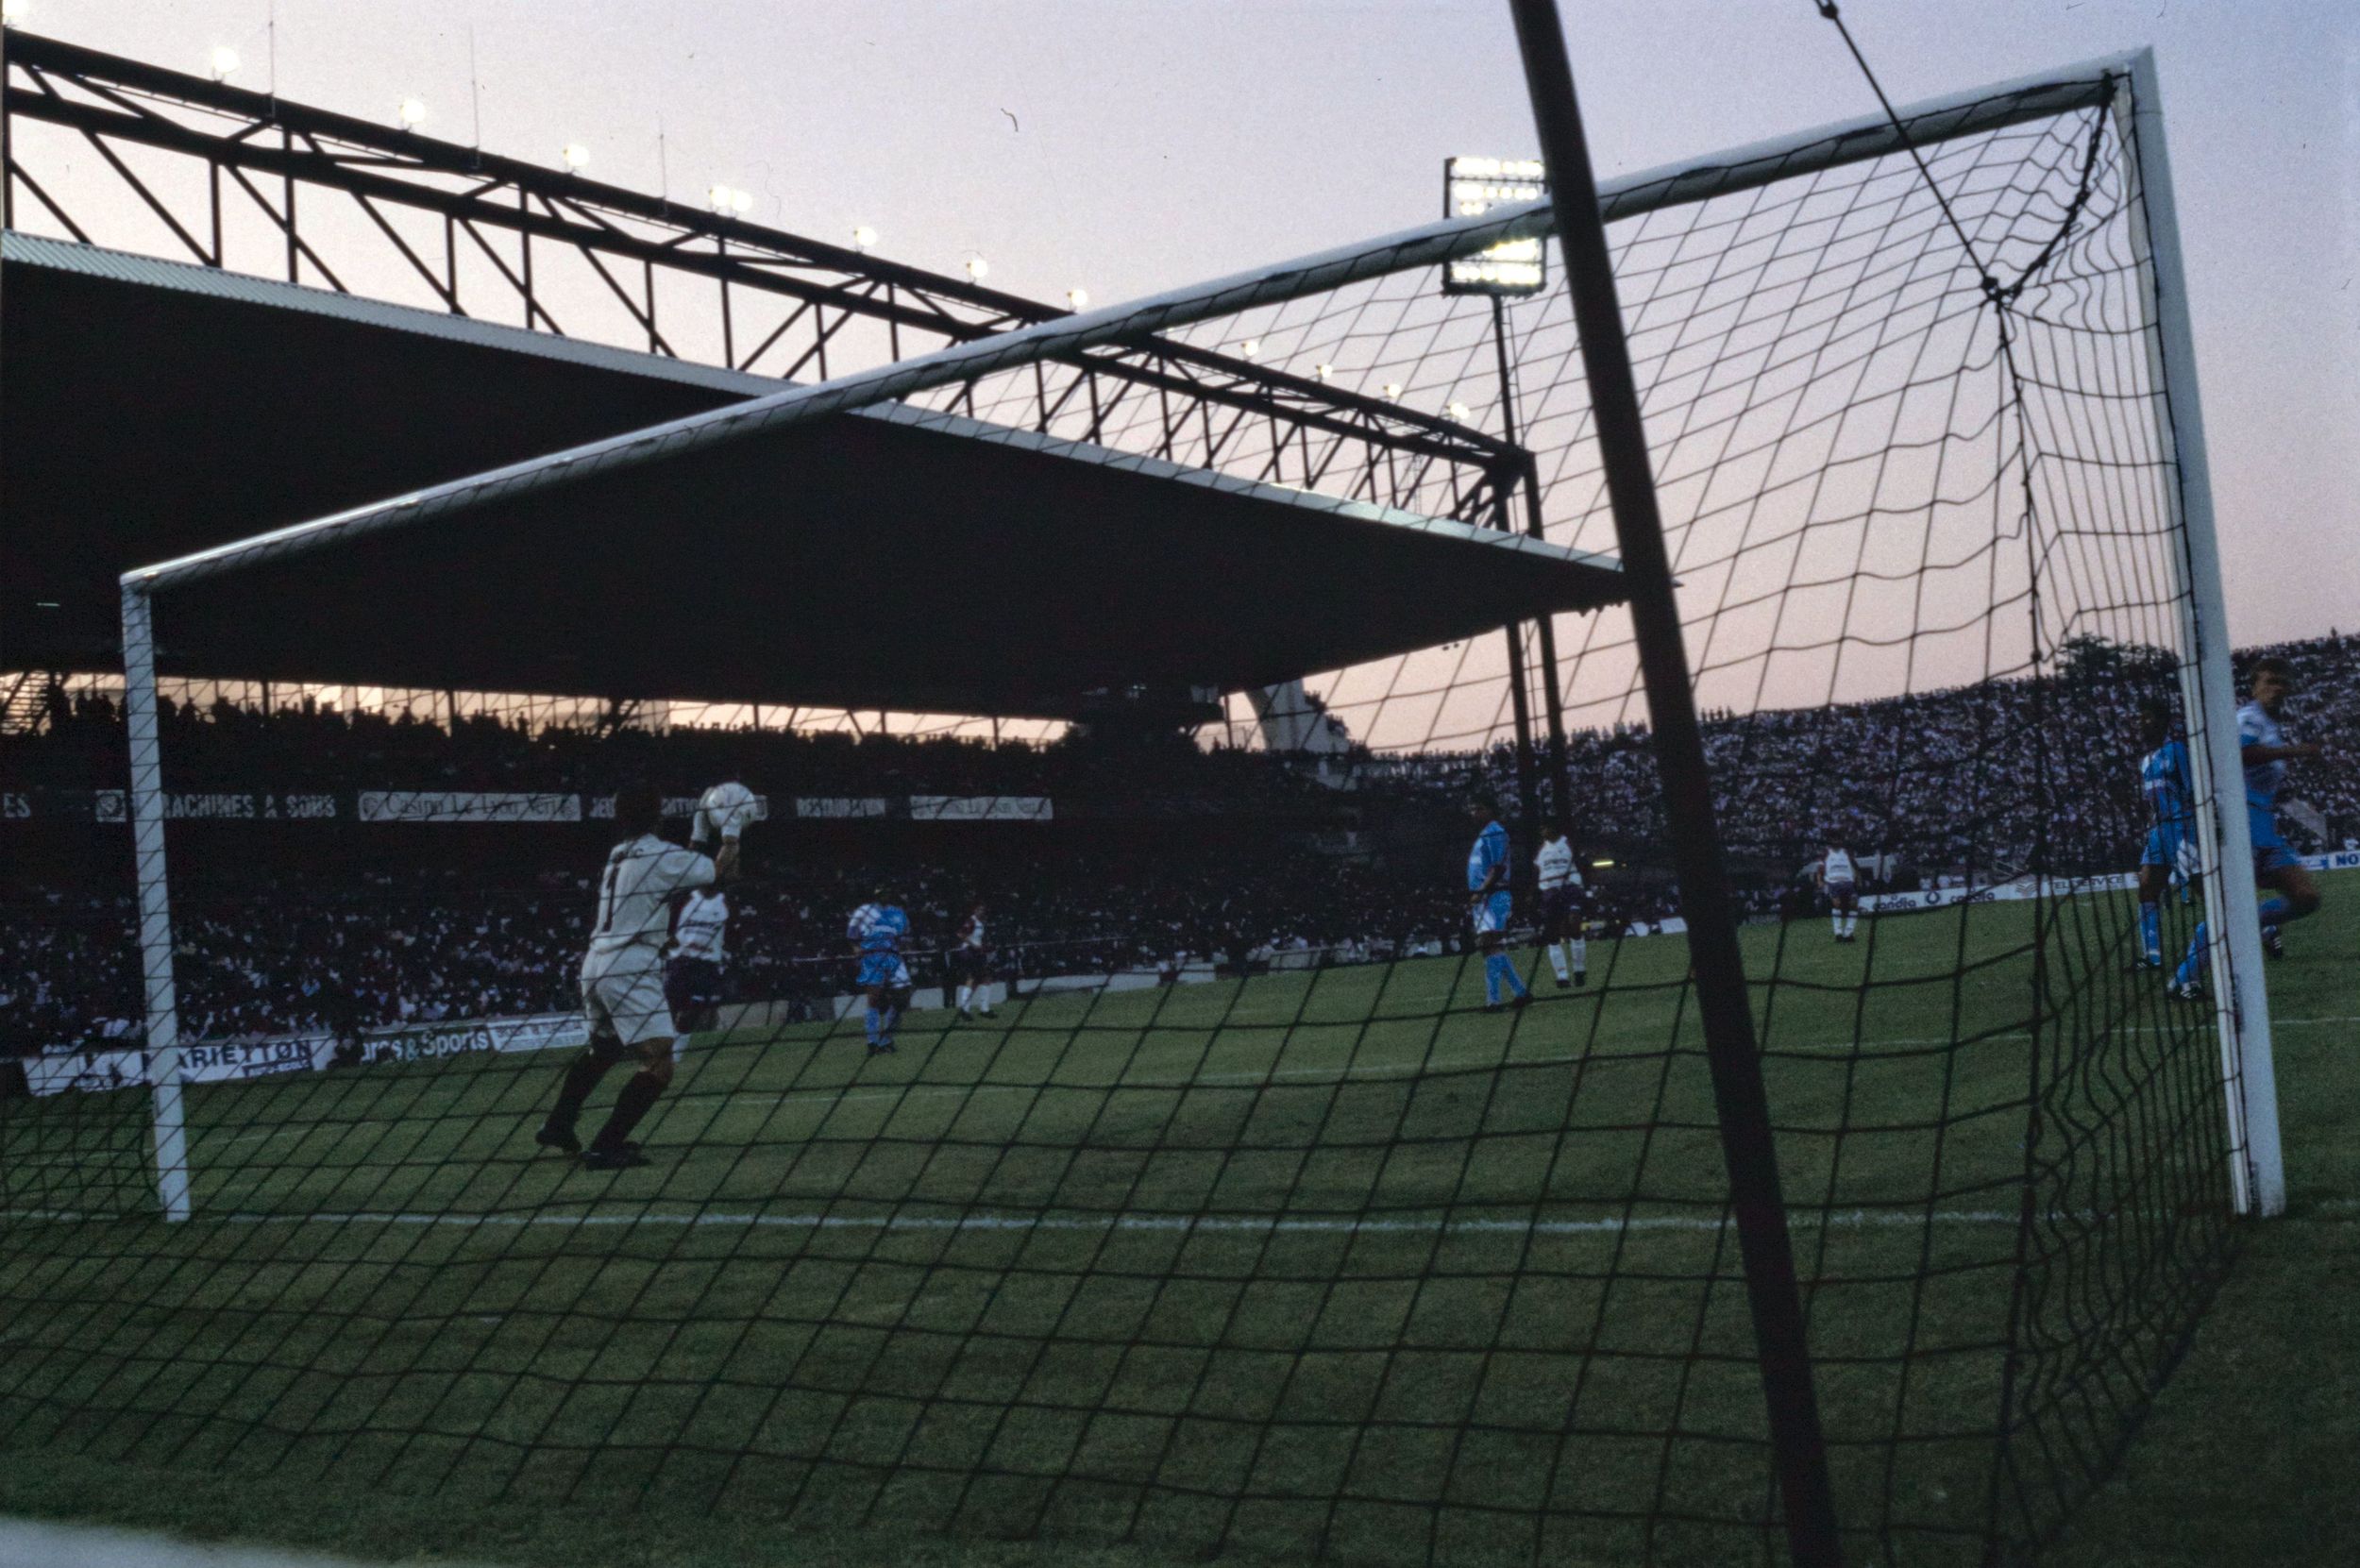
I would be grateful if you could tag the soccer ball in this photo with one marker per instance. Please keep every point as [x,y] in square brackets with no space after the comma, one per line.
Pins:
[729,807]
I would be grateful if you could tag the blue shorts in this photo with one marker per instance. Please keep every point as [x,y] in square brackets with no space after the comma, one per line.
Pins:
[885,970]
[1491,913]
[2172,846]
[2270,853]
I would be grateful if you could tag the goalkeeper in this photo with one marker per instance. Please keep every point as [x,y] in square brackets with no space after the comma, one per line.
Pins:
[622,974]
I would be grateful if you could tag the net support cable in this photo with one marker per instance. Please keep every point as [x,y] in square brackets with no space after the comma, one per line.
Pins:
[2207,683]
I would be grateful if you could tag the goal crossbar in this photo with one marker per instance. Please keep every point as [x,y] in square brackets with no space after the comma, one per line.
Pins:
[1836,145]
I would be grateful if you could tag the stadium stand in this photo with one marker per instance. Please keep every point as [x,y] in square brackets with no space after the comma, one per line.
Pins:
[1100,893]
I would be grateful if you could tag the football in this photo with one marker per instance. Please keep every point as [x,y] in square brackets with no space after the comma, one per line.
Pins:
[729,807]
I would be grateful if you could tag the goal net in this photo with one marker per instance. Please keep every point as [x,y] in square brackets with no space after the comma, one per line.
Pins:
[1254,1209]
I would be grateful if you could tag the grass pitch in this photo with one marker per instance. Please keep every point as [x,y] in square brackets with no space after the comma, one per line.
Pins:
[1332,1259]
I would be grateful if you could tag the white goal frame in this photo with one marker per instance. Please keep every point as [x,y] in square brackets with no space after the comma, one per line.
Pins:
[2126,84]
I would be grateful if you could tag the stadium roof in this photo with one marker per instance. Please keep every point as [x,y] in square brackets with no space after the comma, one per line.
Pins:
[878,558]
[1198,580]
[868,561]
[154,408]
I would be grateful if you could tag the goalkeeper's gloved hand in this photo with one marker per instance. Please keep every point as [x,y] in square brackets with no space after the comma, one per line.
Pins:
[729,807]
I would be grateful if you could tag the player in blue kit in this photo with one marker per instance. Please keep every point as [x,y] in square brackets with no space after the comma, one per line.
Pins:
[875,932]
[2265,752]
[2165,787]
[1487,904]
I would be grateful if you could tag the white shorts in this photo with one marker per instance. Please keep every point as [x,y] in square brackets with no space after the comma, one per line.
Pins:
[626,1002]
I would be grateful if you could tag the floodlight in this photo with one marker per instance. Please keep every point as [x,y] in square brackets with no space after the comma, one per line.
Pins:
[863,238]
[224,62]
[412,112]
[1078,298]
[741,202]
[1457,410]
[976,267]
[574,155]
[15,12]
[1392,389]
[1322,372]
[1249,348]
[1472,186]
[728,198]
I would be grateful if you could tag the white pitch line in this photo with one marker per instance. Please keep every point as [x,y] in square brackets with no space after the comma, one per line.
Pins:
[1254,1224]
[1801,1220]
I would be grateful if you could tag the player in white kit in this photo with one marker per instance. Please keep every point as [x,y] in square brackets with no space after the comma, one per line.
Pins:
[1561,913]
[1840,879]
[971,964]
[622,974]
[692,970]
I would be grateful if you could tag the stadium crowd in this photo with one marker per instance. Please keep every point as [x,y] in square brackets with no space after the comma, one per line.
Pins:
[1982,780]
[80,743]
[1979,782]
[288,955]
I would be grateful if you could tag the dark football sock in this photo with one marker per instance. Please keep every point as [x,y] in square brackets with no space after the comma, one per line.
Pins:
[638,1099]
[581,1078]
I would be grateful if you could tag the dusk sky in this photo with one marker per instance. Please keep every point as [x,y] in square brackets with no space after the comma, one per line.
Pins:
[1131,145]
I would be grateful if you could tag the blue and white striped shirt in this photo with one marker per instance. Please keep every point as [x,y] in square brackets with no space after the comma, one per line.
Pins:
[2163,780]
[2255,727]
[1490,852]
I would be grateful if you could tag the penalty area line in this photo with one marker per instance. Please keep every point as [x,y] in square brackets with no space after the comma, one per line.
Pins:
[1254,1224]
[2330,1211]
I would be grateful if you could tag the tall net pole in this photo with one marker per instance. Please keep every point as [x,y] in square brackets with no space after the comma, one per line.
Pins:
[1559,810]
[1741,1099]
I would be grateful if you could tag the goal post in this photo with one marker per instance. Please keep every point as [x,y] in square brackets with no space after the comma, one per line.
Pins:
[170,1134]
[2208,685]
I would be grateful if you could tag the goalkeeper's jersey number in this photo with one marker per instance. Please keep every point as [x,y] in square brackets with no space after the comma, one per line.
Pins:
[643,875]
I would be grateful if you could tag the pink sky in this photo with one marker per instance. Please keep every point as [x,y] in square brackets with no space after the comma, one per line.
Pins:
[1133,146]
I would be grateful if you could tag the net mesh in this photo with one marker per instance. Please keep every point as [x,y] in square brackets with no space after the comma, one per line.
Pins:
[1252,1211]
